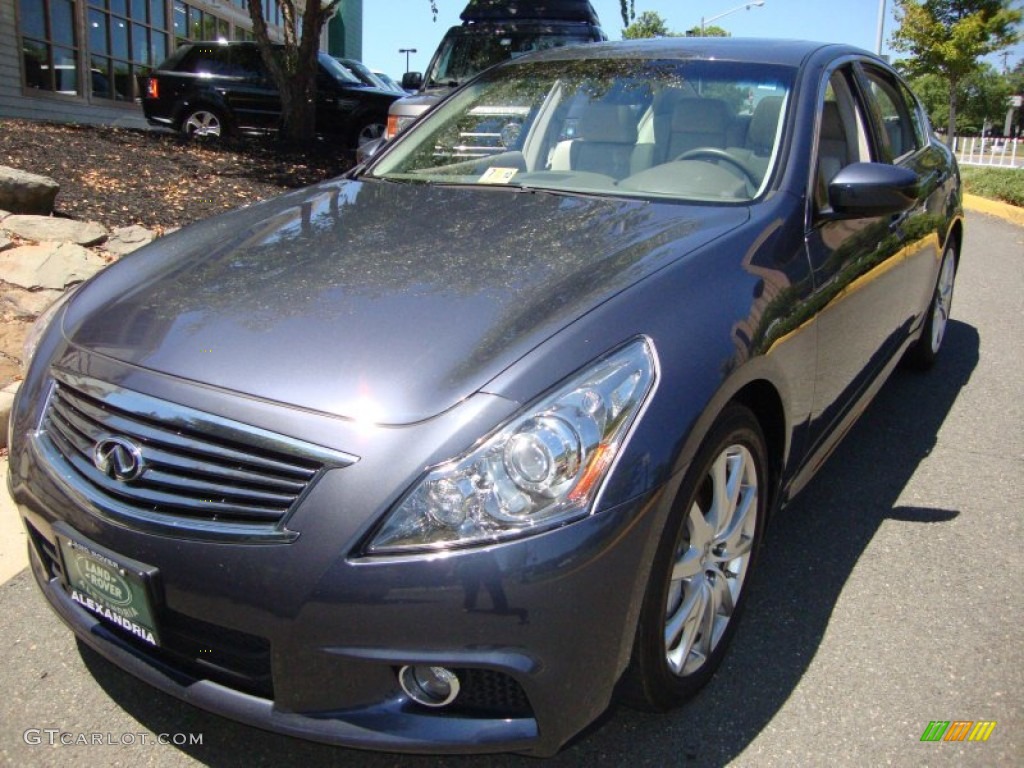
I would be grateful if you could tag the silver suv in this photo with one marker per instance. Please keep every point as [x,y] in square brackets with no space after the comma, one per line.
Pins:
[491,32]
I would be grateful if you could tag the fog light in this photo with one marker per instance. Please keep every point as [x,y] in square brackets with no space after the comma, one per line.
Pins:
[429,686]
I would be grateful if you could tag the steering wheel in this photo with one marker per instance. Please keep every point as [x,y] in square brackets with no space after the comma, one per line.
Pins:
[714,153]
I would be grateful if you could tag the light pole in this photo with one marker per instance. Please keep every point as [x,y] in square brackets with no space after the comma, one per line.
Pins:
[407,51]
[746,6]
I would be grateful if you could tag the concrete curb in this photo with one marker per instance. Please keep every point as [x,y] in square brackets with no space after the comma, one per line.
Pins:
[1005,211]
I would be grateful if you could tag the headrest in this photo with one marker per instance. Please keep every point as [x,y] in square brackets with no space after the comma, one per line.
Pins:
[696,115]
[832,123]
[764,122]
[607,122]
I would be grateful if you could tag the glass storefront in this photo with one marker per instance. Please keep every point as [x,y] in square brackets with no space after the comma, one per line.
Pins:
[96,48]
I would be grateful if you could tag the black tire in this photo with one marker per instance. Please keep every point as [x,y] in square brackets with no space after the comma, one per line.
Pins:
[367,130]
[665,673]
[204,123]
[925,351]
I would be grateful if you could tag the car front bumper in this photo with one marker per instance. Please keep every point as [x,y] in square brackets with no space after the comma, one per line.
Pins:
[299,639]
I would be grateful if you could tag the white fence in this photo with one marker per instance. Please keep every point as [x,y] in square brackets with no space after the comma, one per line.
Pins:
[978,150]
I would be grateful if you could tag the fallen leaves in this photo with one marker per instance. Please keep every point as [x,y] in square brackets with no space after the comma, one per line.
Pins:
[119,176]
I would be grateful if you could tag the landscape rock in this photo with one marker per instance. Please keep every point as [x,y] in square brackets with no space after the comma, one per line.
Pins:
[49,265]
[23,192]
[4,242]
[124,240]
[48,228]
[25,305]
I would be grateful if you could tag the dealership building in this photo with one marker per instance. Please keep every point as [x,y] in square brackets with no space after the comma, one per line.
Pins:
[77,60]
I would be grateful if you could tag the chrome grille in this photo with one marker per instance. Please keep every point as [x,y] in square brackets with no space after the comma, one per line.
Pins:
[200,472]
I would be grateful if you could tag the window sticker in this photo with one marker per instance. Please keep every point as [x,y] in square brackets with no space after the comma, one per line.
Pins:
[498,175]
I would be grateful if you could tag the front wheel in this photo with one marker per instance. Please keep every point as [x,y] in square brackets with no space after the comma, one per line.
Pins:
[369,130]
[925,351]
[695,591]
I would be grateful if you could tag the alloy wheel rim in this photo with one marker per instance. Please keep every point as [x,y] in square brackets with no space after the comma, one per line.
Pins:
[711,560]
[370,132]
[203,124]
[943,301]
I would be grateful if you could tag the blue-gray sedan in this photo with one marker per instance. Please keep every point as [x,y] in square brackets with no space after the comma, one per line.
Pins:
[440,456]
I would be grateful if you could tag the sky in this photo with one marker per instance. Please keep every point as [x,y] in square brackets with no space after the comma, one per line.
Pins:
[389,25]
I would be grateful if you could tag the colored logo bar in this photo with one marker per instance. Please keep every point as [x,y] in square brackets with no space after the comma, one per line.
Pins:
[958,730]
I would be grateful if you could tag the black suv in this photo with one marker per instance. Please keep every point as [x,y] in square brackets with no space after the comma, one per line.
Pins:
[215,88]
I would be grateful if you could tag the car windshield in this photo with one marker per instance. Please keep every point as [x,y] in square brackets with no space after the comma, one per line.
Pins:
[339,72]
[696,130]
[464,55]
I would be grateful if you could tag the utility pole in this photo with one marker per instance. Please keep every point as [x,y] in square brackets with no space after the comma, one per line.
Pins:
[881,26]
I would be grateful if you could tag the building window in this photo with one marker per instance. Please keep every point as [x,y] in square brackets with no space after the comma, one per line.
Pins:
[191,24]
[49,45]
[126,38]
[97,48]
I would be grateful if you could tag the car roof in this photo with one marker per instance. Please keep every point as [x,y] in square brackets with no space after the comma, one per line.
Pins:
[759,50]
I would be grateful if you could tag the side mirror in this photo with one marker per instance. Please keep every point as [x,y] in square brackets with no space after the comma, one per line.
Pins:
[863,190]
[412,81]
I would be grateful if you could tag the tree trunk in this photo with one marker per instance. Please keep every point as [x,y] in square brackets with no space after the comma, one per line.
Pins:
[951,127]
[294,67]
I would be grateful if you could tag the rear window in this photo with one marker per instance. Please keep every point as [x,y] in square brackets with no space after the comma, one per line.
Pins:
[464,54]
[223,61]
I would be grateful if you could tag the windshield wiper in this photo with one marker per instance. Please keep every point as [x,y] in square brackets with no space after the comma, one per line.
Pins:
[586,194]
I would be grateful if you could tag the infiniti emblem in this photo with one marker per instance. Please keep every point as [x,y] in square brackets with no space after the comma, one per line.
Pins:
[118,458]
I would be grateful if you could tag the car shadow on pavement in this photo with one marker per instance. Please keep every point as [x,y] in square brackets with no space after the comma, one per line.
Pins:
[809,553]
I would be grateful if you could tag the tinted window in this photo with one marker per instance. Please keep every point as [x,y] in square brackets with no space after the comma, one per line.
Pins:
[223,61]
[898,125]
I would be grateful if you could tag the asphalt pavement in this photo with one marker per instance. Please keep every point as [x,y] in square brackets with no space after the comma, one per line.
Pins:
[887,596]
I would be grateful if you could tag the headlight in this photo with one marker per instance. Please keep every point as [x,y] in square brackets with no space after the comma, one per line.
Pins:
[543,468]
[35,333]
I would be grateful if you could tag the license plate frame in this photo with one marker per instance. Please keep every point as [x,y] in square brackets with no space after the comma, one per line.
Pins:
[117,589]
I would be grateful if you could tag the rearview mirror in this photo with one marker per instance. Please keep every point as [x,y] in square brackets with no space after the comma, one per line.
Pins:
[862,190]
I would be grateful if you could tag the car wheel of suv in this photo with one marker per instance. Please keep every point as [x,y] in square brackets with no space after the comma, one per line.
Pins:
[925,351]
[371,130]
[695,592]
[204,122]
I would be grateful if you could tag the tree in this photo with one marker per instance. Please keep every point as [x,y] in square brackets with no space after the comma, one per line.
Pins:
[648,24]
[294,66]
[948,37]
[982,100]
[709,31]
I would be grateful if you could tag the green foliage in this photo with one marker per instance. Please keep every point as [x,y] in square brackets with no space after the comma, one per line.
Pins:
[948,38]
[710,30]
[1004,184]
[647,24]
[982,99]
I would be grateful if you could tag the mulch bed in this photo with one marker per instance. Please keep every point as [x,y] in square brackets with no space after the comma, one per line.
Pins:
[119,176]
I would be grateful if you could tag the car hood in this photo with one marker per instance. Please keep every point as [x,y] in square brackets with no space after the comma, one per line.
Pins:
[376,300]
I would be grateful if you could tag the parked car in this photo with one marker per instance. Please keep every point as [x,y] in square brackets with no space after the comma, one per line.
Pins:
[442,455]
[492,31]
[367,76]
[215,88]
[390,82]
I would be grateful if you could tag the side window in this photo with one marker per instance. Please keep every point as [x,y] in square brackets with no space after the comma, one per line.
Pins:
[206,59]
[842,137]
[246,62]
[917,116]
[897,120]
